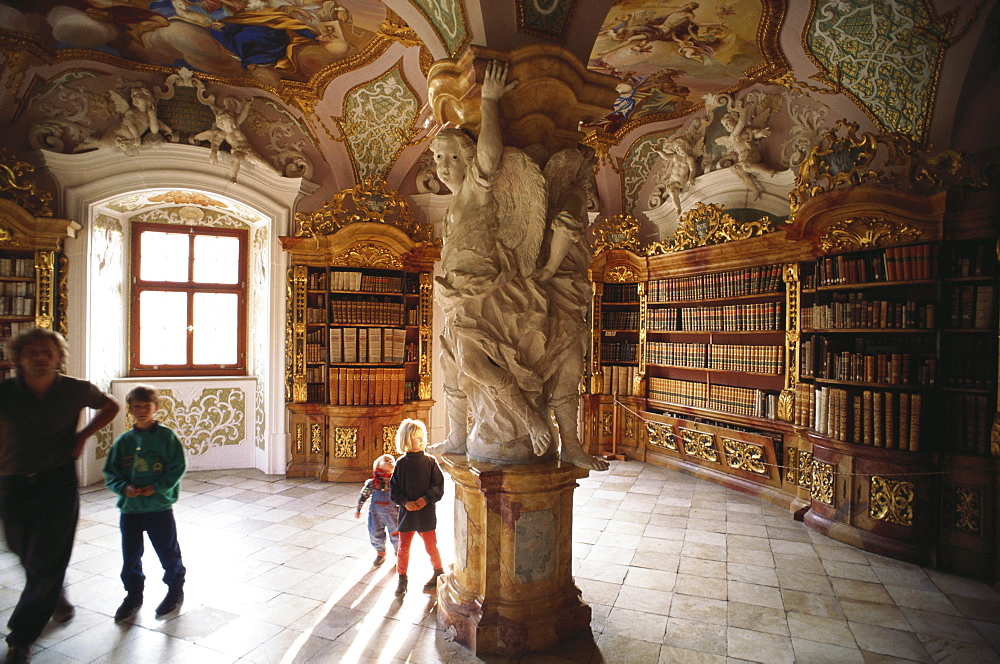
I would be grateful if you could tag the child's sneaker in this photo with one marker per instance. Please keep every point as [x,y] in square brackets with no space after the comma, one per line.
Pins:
[130,607]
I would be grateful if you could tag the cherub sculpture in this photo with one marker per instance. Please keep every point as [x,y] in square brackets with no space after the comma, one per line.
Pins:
[680,168]
[226,129]
[137,117]
[745,123]
[498,351]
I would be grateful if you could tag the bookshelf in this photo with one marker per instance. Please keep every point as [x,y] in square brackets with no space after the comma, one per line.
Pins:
[358,339]
[843,365]
[32,274]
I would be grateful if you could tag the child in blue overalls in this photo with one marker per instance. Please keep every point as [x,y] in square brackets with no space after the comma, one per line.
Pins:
[382,513]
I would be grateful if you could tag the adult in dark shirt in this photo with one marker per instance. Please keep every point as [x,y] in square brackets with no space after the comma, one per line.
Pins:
[416,485]
[39,501]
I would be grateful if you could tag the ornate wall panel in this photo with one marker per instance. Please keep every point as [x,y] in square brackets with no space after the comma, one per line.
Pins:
[885,55]
[448,19]
[215,419]
[891,501]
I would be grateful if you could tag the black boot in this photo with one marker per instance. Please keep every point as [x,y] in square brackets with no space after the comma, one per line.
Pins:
[431,586]
[130,606]
[170,603]
[401,586]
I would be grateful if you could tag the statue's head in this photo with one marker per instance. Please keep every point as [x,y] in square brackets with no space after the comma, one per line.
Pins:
[453,151]
[142,98]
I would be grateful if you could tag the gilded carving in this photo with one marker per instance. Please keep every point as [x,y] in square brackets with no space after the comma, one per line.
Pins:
[805,468]
[63,295]
[316,438]
[345,442]
[969,509]
[300,435]
[786,405]
[707,224]
[865,233]
[607,424]
[596,373]
[45,289]
[891,500]
[295,335]
[426,331]
[821,482]
[629,426]
[618,232]
[370,201]
[389,440]
[792,465]
[216,419]
[7,238]
[745,456]
[368,255]
[699,444]
[17,185]
[661,435]
[621,274]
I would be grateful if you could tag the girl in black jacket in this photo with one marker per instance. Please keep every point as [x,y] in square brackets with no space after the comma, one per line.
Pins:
[416,485]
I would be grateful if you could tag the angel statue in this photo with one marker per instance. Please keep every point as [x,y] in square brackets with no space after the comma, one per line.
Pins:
[226,129]
[680,168]
[494,334]
[745,125]
[564,276]
[137,115]
[500,347]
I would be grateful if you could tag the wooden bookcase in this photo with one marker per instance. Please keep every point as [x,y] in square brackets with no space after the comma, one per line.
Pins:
[843,365]
[358,337]
[32,274]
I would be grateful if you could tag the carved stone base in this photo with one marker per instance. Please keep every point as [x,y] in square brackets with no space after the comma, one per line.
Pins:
[511,589]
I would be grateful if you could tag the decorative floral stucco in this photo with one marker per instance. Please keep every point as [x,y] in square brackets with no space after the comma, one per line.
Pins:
[639,163]
[216,419]
[106,313]
[379,117]
[885,54]
[448,19]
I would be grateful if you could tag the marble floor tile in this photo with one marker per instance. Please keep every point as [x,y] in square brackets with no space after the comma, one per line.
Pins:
[674,569]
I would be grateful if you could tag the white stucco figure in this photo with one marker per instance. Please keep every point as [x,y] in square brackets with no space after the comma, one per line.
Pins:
[567,287]
[680,168]
[226,129]
[137,116]
[505,322]
[745,126]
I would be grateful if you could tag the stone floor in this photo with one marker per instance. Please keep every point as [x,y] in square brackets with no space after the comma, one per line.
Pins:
[675,570]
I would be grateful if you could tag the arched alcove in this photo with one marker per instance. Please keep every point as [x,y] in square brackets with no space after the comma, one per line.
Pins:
[104,190]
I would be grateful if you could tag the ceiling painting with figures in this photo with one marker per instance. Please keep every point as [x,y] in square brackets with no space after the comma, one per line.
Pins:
[261,39]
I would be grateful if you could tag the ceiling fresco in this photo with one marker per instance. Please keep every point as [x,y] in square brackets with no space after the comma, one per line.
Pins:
[260,39]
[669,56]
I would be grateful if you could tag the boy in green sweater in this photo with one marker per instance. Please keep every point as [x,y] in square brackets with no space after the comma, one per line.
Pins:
[144,467]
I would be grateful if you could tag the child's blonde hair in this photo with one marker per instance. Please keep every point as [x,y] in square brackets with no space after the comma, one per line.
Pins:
[382,459]
[406,427]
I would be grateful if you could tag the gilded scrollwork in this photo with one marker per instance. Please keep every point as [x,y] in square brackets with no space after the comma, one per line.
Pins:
[661,435]
[596,373]
[299,437]
[368,255]
[969,509]
[805,459]
[618,232]
[821,482]
[699,444]
[629,426]
[621,274]
[426,332]
[607,424]
[18,185]
[345,442]
[316,438]
[295,335]
[865,233]
[45,289]
[370,201]
[791,465]
[745,456]
[389,440]
[891,500]
[707,224]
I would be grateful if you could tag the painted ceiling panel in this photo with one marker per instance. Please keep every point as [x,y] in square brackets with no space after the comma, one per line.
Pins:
[270,42]
[448,19]
[548,19]
[670,55]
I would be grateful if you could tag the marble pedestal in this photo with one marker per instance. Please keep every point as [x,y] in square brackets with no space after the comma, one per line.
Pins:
[511,589]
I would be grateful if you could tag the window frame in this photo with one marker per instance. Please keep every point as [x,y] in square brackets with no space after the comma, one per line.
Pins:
[138,286]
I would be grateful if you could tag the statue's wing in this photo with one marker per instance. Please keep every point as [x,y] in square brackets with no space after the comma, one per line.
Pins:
[120,103]
[518,189]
